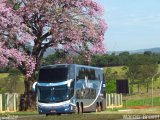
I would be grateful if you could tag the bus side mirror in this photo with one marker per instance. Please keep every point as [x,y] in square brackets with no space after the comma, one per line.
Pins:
[34,87]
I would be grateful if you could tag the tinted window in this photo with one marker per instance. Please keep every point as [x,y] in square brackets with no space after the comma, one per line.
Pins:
[82,72]
[53,74]
[53,94]
[87,83]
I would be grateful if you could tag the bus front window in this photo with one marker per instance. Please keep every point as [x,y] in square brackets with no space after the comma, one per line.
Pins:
[53,94]
[53,75]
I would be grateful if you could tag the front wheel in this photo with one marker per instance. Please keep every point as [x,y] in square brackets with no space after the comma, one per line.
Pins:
[77,108]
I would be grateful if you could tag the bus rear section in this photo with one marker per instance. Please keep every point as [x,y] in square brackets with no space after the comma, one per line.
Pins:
[90,89]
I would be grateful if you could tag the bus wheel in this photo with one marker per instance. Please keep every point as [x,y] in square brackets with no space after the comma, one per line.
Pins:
[77,108]
[97,107]
[81,107]
[100,107]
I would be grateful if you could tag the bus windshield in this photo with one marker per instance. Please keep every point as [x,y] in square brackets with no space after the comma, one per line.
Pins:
[53,94]
[48,75]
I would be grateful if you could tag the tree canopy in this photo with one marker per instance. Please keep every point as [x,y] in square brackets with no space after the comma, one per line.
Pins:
[29,27]
[71,25]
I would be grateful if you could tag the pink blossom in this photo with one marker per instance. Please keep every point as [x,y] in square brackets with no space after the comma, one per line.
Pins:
[61,24]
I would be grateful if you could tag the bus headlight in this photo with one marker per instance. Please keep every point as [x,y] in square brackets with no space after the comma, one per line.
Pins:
[66,109]
[66,105]
[40,106]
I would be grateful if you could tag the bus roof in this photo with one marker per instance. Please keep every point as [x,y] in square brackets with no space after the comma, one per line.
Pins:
[66,65]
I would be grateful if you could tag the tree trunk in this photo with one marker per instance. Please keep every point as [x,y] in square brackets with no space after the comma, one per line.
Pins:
[28,99]
[131,88]
[138,86]
[147,86]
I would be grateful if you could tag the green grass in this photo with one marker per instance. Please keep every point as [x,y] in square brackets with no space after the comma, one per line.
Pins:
[25,113]
[27,116]
[86,117]
[20,83]
[143,102]
[119,70]
[3,75]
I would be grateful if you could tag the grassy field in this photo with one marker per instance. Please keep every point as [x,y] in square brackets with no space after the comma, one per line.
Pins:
[121,70]
[20,83]
[142,102]
[118,114]
[67,117]
[3,75]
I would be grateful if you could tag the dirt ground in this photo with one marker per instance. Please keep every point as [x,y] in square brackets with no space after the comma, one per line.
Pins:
[142,107]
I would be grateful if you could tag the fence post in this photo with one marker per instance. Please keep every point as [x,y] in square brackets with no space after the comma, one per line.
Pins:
[17,102]
[7,102]
[115,99]
[109,99]
[121,103]
[118,100]
[14,102]
[0,102]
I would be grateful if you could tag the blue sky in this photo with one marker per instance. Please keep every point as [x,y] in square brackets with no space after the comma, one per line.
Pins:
[133,24]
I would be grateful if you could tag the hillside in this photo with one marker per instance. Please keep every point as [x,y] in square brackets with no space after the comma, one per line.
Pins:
[139,51]
[153,50]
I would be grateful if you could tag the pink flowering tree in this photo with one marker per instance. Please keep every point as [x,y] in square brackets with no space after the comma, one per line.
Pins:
[29,27]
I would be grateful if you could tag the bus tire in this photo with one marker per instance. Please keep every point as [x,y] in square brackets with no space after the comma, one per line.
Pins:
[97,107]
[81,107]
[77,108]
[100,107]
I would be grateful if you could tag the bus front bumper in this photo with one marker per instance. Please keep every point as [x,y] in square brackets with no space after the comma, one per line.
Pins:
[55,109]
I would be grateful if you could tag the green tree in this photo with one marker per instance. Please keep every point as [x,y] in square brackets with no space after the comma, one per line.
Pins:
[124,58]
[141,69]
[147,69]
[110,77]
[100,60]
[58,57]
